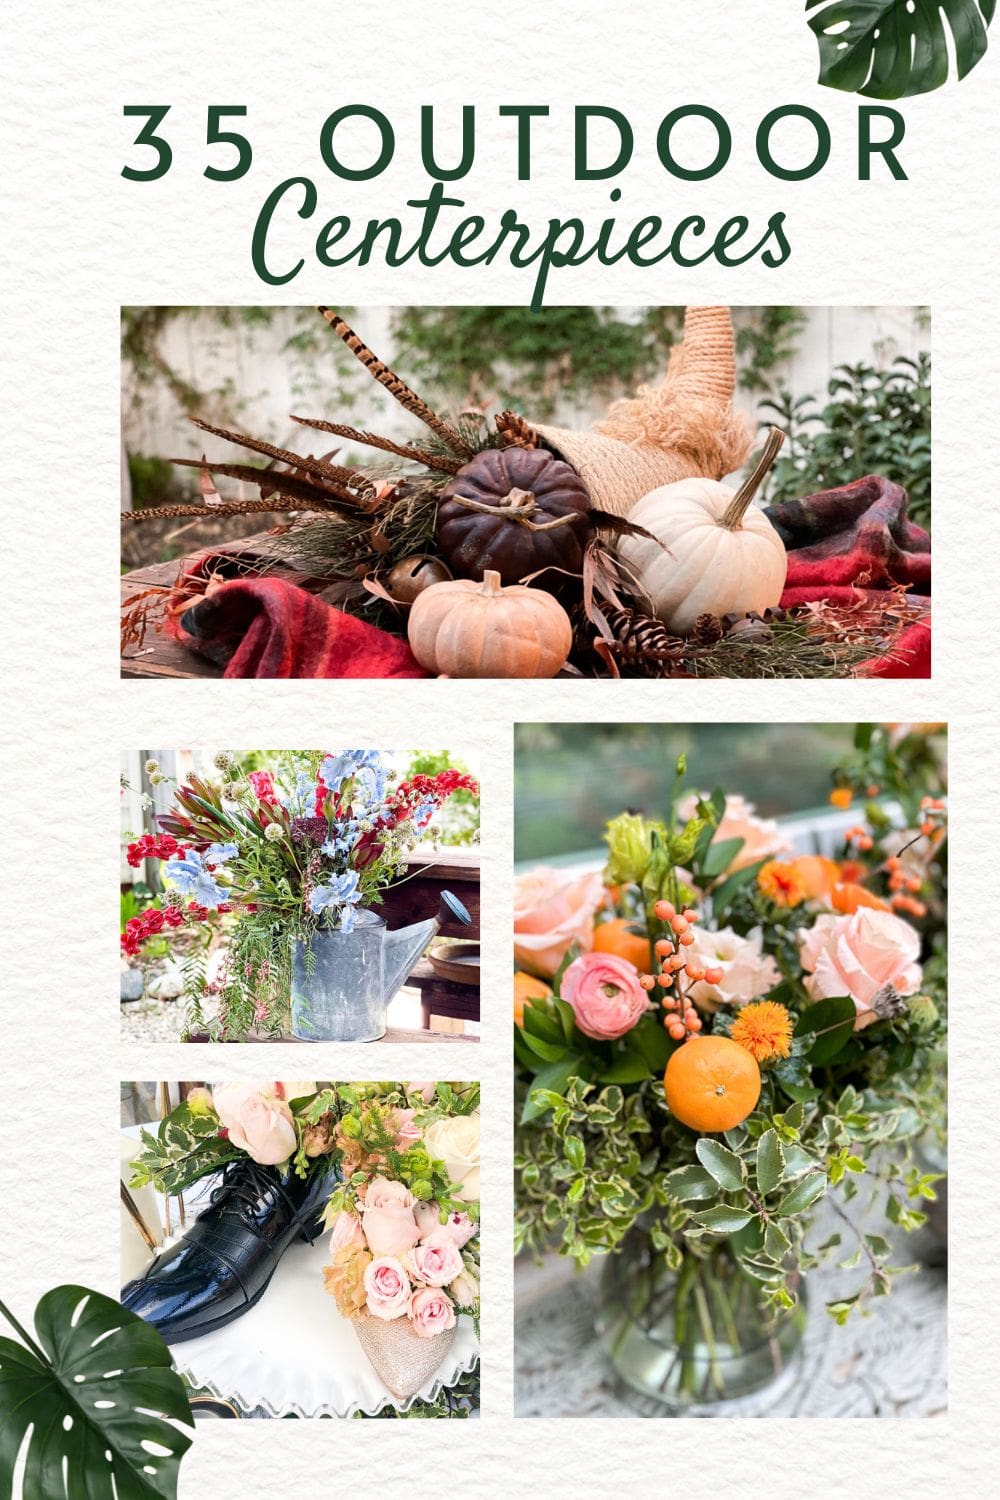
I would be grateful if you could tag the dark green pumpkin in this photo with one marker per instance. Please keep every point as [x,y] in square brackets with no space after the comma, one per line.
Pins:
[514,511]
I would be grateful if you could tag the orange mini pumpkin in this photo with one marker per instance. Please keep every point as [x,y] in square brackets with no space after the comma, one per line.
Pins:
[468,629]
[711,1084]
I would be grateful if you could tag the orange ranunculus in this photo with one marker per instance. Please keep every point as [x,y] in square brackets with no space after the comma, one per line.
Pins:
[847,896]
[779,881]
[617,938]
[852,871]
[526,989]
[841,797]
[817,875]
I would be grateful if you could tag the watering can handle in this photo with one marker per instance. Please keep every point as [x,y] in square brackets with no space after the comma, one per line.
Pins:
[452,910]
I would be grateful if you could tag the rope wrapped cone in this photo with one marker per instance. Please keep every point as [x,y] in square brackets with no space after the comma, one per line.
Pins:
[683,428]
[402,1361]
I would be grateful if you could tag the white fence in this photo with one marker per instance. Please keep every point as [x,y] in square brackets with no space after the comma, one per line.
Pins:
[256,372]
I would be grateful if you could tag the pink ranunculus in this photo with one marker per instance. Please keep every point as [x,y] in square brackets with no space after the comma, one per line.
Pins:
[605,994]
[436,1260]
[387,1218]
[762,837]
[461,1228]
[256,1120]
[425,1088]
[747,971]
[347,1233]
[388,1288]
[407,1134]
[431,1312]
[552,911]
[428,1217]
[857,955]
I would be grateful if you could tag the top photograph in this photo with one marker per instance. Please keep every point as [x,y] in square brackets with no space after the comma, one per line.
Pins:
[582,492]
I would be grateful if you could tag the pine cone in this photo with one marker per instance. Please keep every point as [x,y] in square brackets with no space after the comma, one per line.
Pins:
[707,629]
[516,431]
[641,643]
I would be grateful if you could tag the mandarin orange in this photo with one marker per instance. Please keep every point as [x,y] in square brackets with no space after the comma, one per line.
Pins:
[616,937]
[711,1084]
[526,989]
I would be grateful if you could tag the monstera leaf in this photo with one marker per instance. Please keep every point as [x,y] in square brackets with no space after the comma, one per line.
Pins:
[96,1390]
[890,49]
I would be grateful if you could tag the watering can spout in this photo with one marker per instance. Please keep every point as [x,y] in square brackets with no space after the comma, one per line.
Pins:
[404,946]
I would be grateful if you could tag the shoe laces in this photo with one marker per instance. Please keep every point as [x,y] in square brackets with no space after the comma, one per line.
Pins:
[246,1184]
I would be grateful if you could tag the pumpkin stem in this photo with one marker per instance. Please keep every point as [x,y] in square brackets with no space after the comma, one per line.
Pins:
[517,505]
[491,584]
[740,503]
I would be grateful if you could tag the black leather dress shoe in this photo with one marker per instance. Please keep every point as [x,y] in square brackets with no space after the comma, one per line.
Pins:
[222,1266]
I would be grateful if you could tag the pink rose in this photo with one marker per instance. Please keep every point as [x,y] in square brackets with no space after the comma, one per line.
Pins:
[428,1217]
[605,994]
[762,837]
[388,1288]
[461,1228]
[431,1312]
[464,1289]
[407,1134]
[347,1233]
[552,911]
[857,955]
[256,1121]
[436,1260]
[387,1217]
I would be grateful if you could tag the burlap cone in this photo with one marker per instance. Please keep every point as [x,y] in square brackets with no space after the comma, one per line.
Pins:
[682,428]
[400,1359]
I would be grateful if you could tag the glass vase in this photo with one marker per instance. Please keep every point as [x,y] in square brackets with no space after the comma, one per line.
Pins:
[692,1340]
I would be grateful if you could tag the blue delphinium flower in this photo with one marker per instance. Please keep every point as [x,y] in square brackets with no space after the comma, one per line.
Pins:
[343,838]
[424,814]
[365,765]
[189,875]
[339,891]
[218,854]
[299,801]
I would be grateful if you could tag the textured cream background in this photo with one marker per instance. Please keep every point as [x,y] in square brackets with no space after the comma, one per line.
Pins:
[77,242]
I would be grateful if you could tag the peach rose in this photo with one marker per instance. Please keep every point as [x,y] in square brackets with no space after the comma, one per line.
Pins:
[857,955]
[747,971]
[347,1233]
[431,1312]
[455,1141]
[464,1289]
[552,911]
[388,1288]
[762,837]
[605,994]
[256,1121]
[387,1218]
[435,1261]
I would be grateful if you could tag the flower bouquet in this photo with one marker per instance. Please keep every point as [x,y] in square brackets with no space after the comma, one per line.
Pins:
[719,1044]
[299,857]
[514,548]
[391,1168]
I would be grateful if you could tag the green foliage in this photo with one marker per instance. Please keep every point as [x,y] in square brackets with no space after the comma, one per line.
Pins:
[893,49]
[875,421]
[153,481]
[86,1419]
[185,1147]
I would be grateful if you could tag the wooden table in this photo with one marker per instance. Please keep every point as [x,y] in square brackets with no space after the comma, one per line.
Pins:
[160,655]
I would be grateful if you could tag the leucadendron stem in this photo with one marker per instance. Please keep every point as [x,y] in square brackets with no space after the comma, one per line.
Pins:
[738,506]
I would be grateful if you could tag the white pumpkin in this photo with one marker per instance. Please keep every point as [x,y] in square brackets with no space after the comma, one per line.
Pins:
[714,553]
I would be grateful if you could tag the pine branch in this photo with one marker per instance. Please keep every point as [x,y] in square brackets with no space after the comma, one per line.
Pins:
[337,473]
[374,440]
[230,508]
[396,387]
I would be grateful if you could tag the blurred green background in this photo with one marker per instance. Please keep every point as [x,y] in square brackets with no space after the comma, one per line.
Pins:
[571,778]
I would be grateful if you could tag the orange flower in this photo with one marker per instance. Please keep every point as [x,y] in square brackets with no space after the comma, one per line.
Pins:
[817,874]
[841,797]
[781,883]
[847,896]
[764,1029]
[526,989]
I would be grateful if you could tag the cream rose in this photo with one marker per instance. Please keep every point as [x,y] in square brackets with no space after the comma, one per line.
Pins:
[552,911]
[747,972]
[435,1261]
[388,1288]
[464,1289]
[762,837]
[858,955]
[387,1218]
[455,1141]
[431,1312]
[256,1121]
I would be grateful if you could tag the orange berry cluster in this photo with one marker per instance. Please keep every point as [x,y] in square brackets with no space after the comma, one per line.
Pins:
[861,837]
[682,1019]
[932,808]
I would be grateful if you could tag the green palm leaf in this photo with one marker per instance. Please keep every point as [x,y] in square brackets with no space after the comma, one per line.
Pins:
[890,49]
[96,1391]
